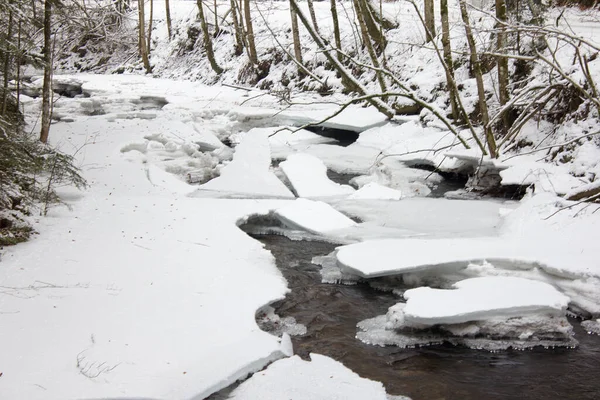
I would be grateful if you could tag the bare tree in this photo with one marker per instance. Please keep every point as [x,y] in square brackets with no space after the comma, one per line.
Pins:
[296,39]
[210,54]
[7,60]
[168,16]
[142,37]
[47,86]
[150,26]
[361,10]
[336,28]
[349,81]
[476,66]
[501,61]
[239,41]
[313,15]
[250,34]
[217,29]
[429,20]
[449,69]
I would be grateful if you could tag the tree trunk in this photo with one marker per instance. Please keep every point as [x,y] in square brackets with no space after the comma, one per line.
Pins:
[7,61]
[296,38]
[313,16]
[476,66]
[447,48]
[142,37]
[351,83]
[168,14]
[371,20]
[360,14]
[207,40]
[429,20]
[336,28]
[250,34]
[217,29]
[502,62]
[47,86]
[239,43]
[149,46]
[19,66]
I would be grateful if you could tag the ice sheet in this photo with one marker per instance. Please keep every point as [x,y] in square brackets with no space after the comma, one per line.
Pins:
[308,176]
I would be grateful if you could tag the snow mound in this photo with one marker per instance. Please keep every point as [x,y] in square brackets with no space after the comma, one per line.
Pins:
[376,191]
[313,216]
[308,176]
[479,299]
[319,379]
[248,175]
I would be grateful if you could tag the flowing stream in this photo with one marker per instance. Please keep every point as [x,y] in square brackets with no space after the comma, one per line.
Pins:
[331,311]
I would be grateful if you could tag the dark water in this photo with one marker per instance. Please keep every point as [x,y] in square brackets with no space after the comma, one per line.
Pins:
[331,312]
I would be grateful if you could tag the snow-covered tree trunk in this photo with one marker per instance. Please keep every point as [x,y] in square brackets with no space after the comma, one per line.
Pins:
[47,86]
[206,39]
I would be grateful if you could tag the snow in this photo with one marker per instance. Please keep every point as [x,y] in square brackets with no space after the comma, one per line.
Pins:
[308,176]
[374,190]
[314,216]
[482,298]
[319,378]
[249,173]
[135,287]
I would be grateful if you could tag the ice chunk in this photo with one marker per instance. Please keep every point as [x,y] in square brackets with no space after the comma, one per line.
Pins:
[493,335]
[248,174]
[382,257]
[320,378]
[376,191]
[313,216]
[480,299]
[591,326]
[308,176]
